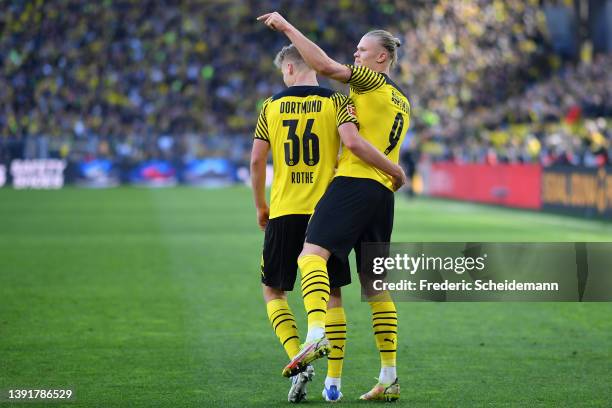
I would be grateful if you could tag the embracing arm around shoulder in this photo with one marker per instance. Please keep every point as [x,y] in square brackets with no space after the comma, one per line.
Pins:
[353,141]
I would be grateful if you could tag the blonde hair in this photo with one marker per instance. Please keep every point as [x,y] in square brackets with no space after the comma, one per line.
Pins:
[388,42]
[291,53]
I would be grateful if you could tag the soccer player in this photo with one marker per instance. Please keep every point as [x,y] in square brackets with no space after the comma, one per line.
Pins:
[358,205]
[302,126]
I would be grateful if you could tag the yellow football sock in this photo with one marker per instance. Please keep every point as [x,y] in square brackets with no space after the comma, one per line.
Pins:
[284,325]
[335,331]
[384,322]
[315,289]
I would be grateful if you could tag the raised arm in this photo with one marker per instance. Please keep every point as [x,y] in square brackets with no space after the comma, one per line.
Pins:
[314,56]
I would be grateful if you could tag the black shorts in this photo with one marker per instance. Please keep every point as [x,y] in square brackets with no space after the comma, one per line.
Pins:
[283,243]
[351,212]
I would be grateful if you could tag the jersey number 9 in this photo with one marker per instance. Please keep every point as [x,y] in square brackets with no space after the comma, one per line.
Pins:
[396,132]
[310,143]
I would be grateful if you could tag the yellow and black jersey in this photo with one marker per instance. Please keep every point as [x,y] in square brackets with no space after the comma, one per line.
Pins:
[301,125]
[384,115]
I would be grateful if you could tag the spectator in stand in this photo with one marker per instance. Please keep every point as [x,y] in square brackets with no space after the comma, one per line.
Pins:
[113,77]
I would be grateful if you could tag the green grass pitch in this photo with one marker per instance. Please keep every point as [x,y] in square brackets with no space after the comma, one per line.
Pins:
[142,298]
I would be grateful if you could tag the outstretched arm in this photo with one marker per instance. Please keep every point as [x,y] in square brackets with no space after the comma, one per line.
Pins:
[314,56]
[353,141]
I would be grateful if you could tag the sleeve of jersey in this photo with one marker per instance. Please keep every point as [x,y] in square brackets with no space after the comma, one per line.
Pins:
[363,79]
[345,110]
[261,131]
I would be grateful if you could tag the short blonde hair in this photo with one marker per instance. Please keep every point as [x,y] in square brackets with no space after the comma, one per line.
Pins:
[291,53]
[387,41]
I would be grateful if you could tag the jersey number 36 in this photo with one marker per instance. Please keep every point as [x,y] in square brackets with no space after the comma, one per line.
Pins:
[310,143]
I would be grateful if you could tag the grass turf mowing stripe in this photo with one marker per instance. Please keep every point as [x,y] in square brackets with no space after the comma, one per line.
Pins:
[152,297]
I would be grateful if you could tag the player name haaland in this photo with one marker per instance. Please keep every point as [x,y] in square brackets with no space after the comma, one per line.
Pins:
[401,103]
[300,107]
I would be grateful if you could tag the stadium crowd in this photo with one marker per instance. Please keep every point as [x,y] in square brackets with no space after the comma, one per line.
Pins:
[162,79]
[561,120]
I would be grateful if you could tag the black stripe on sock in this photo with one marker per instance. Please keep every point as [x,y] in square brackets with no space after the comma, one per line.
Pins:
[278,310]
[385,324]
[335,358]
[312,277]
[316,310]
[283,321]
[322,282]
[280,315]
[313,283]
[306,278]
[316,290]
[335,325]
[387,351]
[382,318]
[336,338]
[390,311]
[386,331]
[292,337]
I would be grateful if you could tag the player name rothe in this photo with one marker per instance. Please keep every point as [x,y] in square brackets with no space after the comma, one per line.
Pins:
[300,107]
[302,177]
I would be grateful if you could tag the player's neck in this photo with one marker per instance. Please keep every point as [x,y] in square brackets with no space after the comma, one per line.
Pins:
[306,79]
[382,69]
